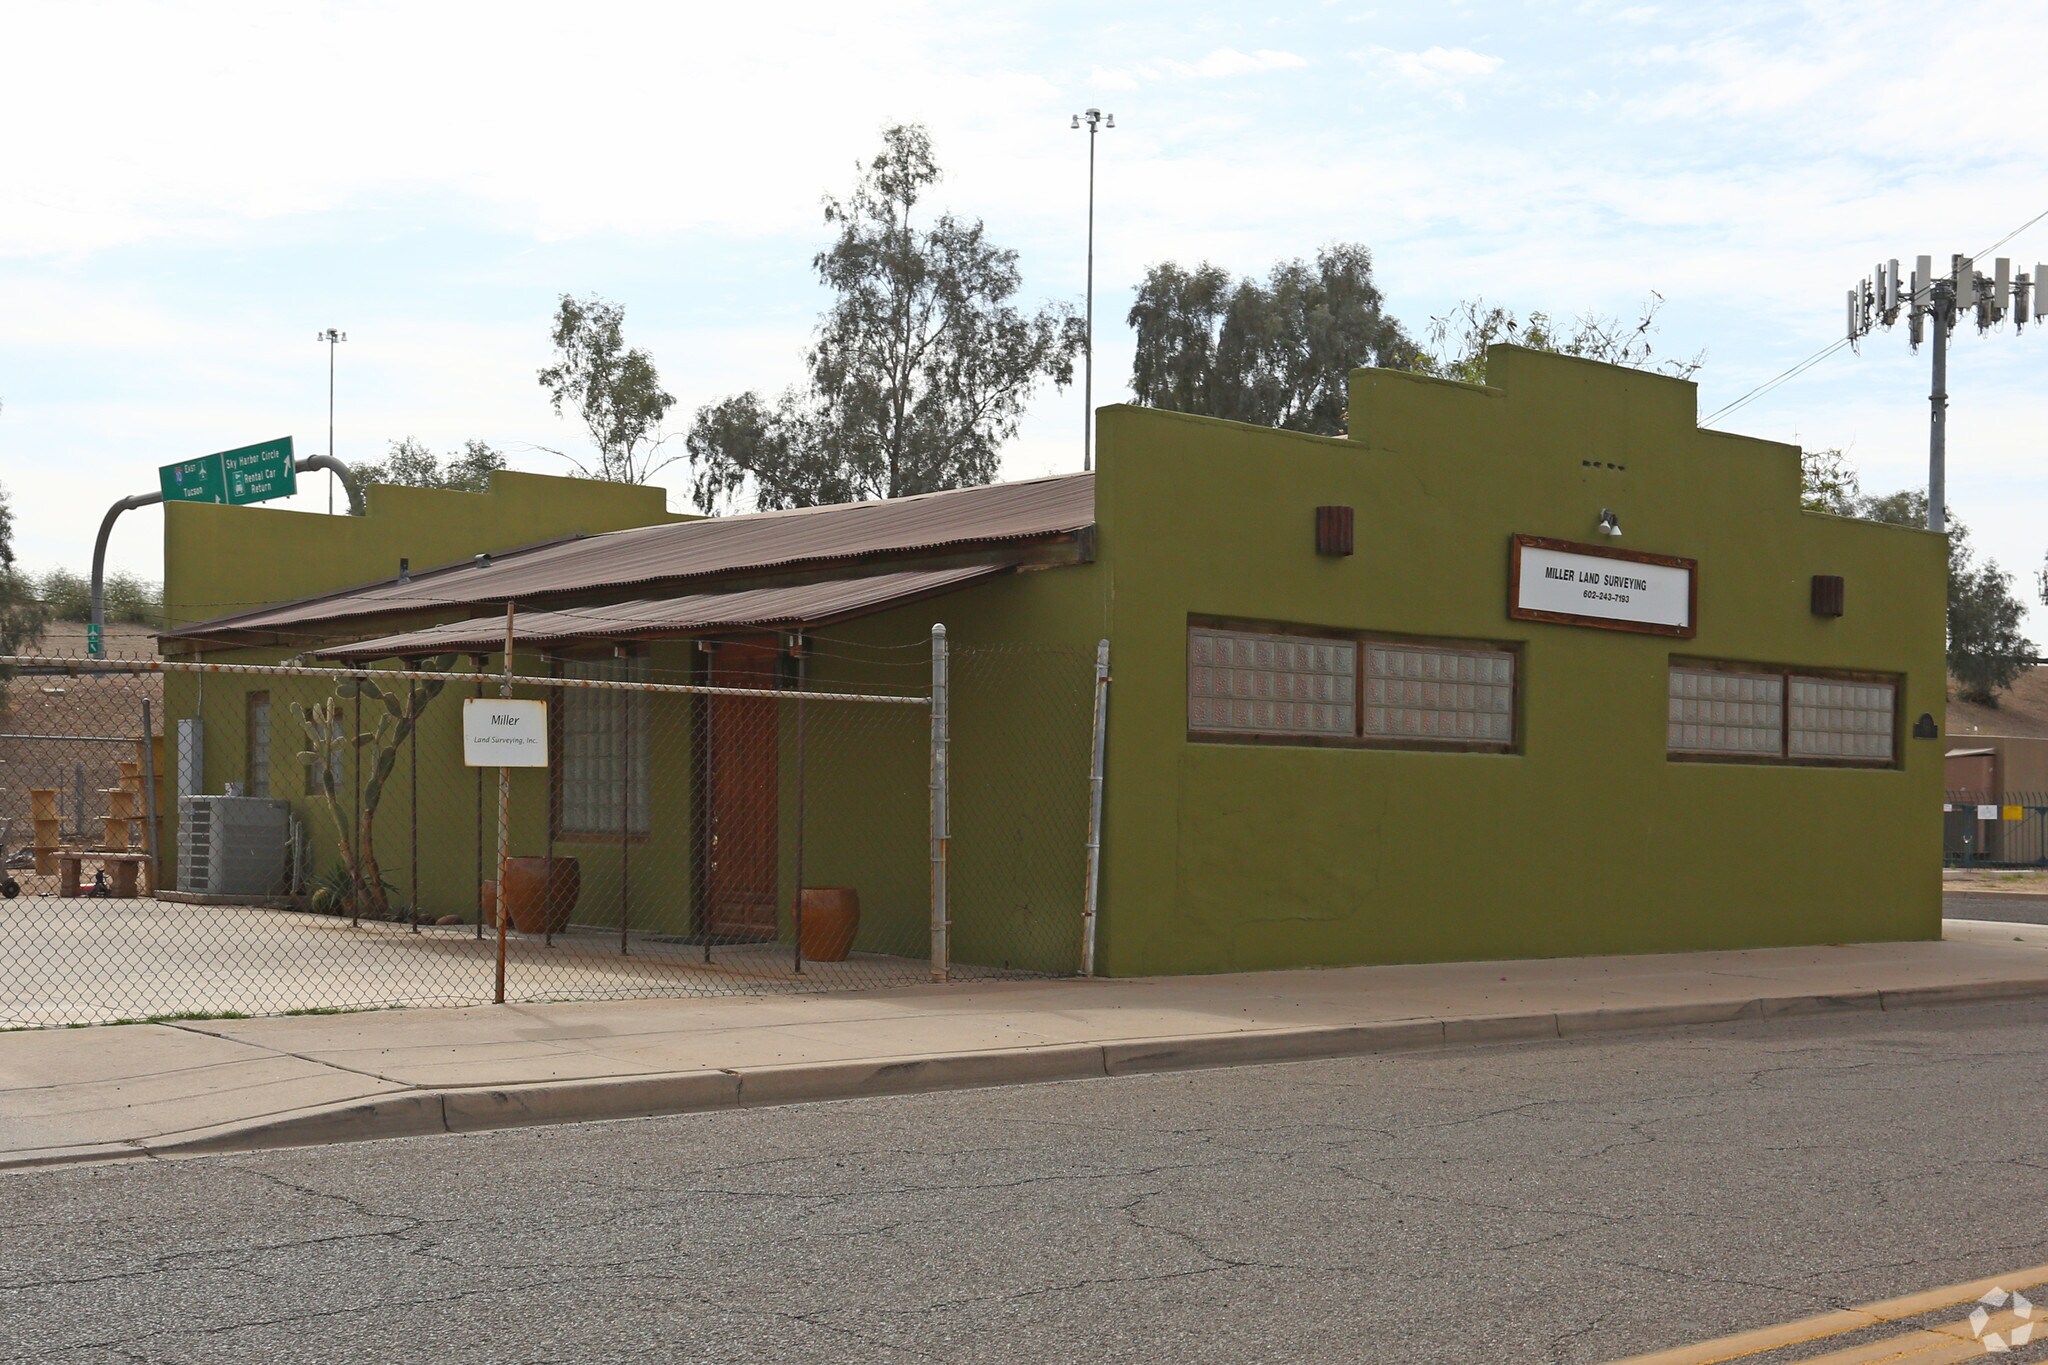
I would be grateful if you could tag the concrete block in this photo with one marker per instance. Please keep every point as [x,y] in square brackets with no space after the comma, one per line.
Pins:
[1965,993]
[582,1101]
[404,1114]
[1792,1006]
[83,1154]
[1269,1045]
[1677,1014]
[806,1081]
[1500,1028]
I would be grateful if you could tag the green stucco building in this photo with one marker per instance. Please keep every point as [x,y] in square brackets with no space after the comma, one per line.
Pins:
[1531,668]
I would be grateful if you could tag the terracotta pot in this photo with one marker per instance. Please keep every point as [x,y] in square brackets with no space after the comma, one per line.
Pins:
[540,893]
[831,917]
[487,905]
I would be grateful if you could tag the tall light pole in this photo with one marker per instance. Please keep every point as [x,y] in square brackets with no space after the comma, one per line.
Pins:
[1941,300]
[1095,119]
[332,337]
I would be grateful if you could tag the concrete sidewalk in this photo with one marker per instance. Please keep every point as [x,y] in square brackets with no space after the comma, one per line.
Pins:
[141,1090]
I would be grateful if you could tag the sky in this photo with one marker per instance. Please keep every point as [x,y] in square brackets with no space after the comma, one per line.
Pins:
[190,193]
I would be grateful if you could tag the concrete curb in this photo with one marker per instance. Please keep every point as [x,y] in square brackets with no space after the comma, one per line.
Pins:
[419,1113]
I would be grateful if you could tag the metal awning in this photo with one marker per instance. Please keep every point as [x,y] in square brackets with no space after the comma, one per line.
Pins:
[850,537]
[802,604]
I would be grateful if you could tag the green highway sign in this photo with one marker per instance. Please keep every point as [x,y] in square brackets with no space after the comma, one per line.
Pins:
[200,480]
[243,475]
[261,472]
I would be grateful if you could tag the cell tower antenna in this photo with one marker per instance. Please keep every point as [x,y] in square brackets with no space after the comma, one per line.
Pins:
[1940,303]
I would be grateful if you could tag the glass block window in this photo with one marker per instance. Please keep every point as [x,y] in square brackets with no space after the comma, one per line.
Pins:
[1715,711]
[1842,719]
[1434,692]
[1254,683]
[256,771]
[603,755]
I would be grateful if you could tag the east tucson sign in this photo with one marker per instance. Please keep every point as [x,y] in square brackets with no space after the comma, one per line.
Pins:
[1570,584]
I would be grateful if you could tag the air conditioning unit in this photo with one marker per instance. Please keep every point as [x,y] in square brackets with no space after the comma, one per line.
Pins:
[234,845]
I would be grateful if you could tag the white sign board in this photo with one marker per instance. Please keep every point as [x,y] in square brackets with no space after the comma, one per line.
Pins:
[1591,585]
[501,733]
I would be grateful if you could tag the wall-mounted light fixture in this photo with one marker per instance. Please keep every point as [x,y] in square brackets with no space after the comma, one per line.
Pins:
[1334,530]
[1610,524]
[1828,594]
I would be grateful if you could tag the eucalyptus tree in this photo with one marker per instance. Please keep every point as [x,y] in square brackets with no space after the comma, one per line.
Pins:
[1277,352]
[613,387]
[411,464]
[919,370]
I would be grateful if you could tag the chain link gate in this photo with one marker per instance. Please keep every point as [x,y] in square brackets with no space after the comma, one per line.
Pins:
[217,839]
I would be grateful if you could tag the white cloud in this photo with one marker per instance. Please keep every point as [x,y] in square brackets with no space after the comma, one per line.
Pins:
[1227,61]
[1223,62]
[245,173]
[555,120]
[1442,70]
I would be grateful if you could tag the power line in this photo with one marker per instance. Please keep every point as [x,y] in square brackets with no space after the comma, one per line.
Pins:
[2010,235]
[1801,368]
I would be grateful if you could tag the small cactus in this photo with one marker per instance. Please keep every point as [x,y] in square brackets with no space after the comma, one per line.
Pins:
[327,739]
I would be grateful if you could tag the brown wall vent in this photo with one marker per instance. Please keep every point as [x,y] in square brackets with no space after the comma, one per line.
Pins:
[1333,530]
[1827,594]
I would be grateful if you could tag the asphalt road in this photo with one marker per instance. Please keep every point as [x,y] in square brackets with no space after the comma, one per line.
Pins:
[2012,909]
[1540,1202]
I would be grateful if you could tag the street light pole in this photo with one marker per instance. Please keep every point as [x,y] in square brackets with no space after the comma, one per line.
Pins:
[1095,119]
[332,337]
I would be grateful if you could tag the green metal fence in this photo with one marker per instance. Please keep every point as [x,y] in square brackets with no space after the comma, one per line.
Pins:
[1994,829]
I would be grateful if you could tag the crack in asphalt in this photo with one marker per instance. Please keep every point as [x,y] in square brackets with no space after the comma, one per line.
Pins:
[1563,1192]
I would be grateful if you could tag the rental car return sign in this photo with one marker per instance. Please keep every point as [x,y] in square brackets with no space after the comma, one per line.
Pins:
[240,476]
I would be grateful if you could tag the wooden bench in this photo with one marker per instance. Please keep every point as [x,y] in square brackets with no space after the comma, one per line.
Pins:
[123,869]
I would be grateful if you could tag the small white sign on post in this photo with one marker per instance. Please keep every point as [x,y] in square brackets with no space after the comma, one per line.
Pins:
[499,732]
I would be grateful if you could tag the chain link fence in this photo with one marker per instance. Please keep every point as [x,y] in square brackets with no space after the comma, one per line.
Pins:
[209,839]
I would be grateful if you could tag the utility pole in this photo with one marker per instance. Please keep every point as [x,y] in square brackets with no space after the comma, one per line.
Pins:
[1095,119]
[332,337]
[1923,298]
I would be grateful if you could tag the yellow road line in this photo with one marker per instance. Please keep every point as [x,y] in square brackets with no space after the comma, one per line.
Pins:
[1763,1340]
[1951,1341]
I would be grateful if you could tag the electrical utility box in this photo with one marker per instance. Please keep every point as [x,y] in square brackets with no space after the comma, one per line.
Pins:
[234,845]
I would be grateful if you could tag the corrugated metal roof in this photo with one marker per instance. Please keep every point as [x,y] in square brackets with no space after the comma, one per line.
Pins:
[799,604]
[857,531]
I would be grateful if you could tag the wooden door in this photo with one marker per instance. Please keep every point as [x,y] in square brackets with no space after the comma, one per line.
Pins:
[744,805]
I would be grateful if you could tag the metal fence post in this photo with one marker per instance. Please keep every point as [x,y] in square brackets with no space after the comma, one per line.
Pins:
[504,817]
[151,838]
[479,661]
[796,910]
[1095,809]
[412,767]
[941,827]
[625,805]
[355,763]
